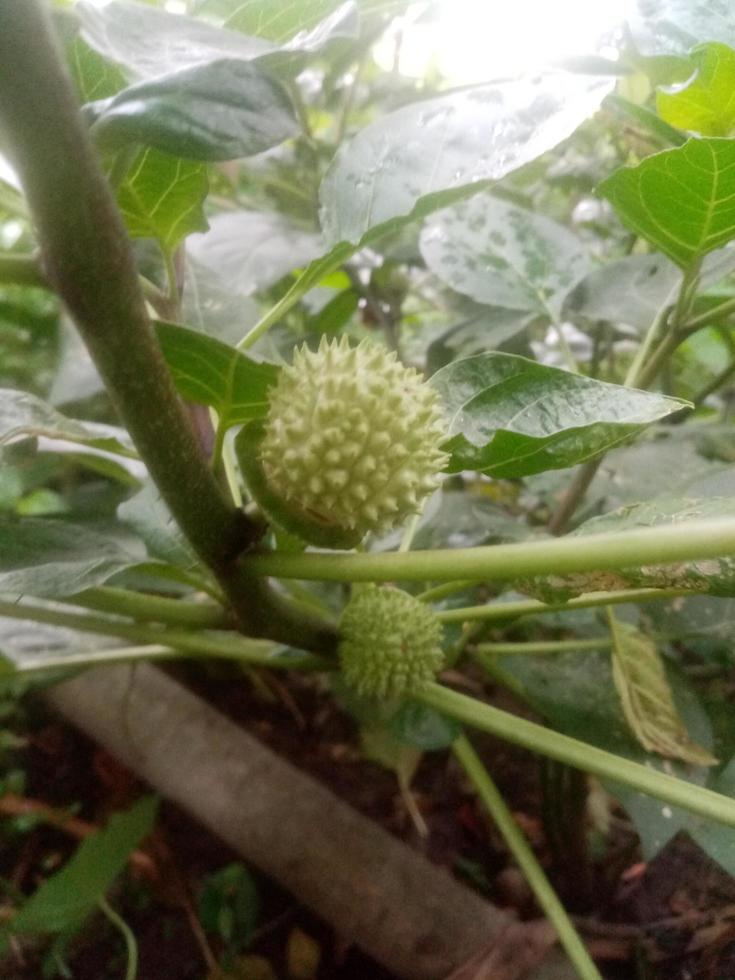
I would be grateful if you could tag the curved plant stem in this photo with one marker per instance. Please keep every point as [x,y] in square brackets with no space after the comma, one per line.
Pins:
[131,971]
[580,755]
[526,859]
[689,540]
[502,611]
[541,647]
[112,656]
[152,609]
[442,591]
[258,653]
[88,260]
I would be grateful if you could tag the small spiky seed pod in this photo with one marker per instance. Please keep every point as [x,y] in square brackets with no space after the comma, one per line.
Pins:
[352,437]
[390,643]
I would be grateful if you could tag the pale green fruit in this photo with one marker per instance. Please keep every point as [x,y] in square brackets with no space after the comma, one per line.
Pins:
[352,438]
[390,643]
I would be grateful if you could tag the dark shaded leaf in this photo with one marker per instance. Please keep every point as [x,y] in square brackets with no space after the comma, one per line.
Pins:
[219,111]
[509,417]
[54,558]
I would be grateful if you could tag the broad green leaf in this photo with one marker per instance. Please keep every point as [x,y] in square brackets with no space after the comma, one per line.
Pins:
[279,20]
[23,414]
[700,178]
[706,104]
[148,43]
[663,27]
[503,255]
[162,197]
[209,372]
[448,144]
[630,291]
[150,518]
[510,417]
[219,111]
[573,692]
[422,727]
[714,576]
[646,698]
[65,900]
[252,250]
[55,558]
[93,76]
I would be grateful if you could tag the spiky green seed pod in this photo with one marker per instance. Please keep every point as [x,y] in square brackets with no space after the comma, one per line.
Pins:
[351,440]
[390,643]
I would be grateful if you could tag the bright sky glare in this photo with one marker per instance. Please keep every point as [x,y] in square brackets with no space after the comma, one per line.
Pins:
[477,40]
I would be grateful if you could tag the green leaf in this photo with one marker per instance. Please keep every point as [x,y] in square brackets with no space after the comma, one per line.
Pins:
[22,414]
[422,727]
[162,197]
[572,691]
[646,698]
[148,43]
[64,901]
[55,558]
[449,143]
[279,20]
[209,372]
[700,178]
[706,104]
[251,250]
[93,76]
[503,255]
[219,111]
[150,518]
[229,905]
[661,27]
[630,291]
[510,417]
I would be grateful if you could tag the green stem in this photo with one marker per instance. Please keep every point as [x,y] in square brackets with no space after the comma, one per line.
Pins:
[113,657]
[131,971]
[525,859]
[716,313]
[89,261]
[153,609]
[529,735]
[311,275]
[258,653]
[687,541]
[21,270]
[502,611]
[442,591]
[543,646]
